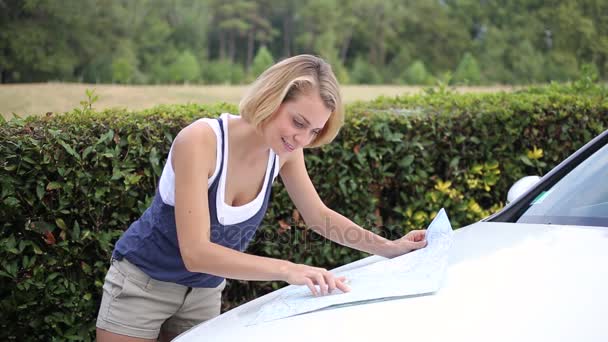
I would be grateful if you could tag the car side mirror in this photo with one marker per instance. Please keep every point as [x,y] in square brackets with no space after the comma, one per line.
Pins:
[520,187]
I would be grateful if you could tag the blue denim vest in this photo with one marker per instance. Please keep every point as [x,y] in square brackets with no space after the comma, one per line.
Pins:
[151,243]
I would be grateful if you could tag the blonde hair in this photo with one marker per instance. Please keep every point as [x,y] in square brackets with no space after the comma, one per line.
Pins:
[289,79]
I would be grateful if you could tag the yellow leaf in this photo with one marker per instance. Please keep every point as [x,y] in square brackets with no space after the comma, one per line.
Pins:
[420,216]
[476,169]
[535,153]
[474,206]
[61,224]
[443,186]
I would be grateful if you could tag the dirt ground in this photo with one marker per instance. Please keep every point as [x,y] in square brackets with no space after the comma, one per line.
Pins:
[39,98]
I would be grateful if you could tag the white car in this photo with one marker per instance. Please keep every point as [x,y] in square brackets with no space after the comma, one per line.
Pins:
[535,271]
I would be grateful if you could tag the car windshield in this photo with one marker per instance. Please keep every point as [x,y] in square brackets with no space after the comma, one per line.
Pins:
[579,198]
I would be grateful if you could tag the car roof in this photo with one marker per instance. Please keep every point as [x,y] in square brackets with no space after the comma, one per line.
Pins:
[524,282]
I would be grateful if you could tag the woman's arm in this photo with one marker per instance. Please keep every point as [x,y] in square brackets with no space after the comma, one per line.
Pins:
[193,162]
[333,225]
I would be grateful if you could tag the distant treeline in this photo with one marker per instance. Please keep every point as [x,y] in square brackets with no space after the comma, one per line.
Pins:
[473,42]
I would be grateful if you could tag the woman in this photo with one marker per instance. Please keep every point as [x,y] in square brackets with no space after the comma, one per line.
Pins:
[169,268]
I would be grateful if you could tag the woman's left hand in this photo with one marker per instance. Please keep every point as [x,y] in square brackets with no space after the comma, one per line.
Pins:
[413,240]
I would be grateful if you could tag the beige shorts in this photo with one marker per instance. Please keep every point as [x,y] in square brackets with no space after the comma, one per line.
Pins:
[136,305]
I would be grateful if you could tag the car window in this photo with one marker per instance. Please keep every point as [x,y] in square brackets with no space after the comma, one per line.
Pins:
[579,198]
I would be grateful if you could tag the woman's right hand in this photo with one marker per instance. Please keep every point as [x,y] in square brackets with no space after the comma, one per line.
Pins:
[299,274]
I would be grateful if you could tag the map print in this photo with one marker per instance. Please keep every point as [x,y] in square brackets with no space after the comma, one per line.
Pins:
[415,273]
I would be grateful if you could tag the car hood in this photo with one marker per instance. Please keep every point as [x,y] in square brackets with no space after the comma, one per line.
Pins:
[505,282]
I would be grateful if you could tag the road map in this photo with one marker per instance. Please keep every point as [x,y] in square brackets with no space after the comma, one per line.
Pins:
[415,273]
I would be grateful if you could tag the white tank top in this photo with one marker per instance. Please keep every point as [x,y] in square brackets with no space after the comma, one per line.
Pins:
[226,214]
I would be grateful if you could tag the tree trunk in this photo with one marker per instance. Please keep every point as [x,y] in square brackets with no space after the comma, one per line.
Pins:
[602,67]
[373,52]
[345,46]
[231,47]
[222,45]
[381,39]
[287,23]
[313,41]
[381,49]
[250,47]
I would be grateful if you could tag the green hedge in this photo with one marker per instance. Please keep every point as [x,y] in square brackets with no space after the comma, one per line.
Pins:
[72,183]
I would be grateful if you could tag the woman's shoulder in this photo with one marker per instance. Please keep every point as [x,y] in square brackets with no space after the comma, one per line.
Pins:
[200,131]
[198,139]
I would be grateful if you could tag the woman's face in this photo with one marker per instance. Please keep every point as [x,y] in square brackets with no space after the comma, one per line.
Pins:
[296,124]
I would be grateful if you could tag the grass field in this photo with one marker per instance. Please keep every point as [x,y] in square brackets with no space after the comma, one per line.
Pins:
[39,98]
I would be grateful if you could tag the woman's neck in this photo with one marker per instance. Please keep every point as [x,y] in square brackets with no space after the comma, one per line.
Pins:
[245,141]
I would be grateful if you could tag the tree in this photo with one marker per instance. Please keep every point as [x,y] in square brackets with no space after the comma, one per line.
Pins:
[397,66]
[123,70]
[492,52]
[231,22]
[286,11]
[185,68]
[467,71]
[364,73]
[262,61]
[260,28]
[316,22]
[124,65]
[381,19]
[48,39]
[561,67]
[516,41]
[431,32]
[222,72]
[526,62]
[417,74]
